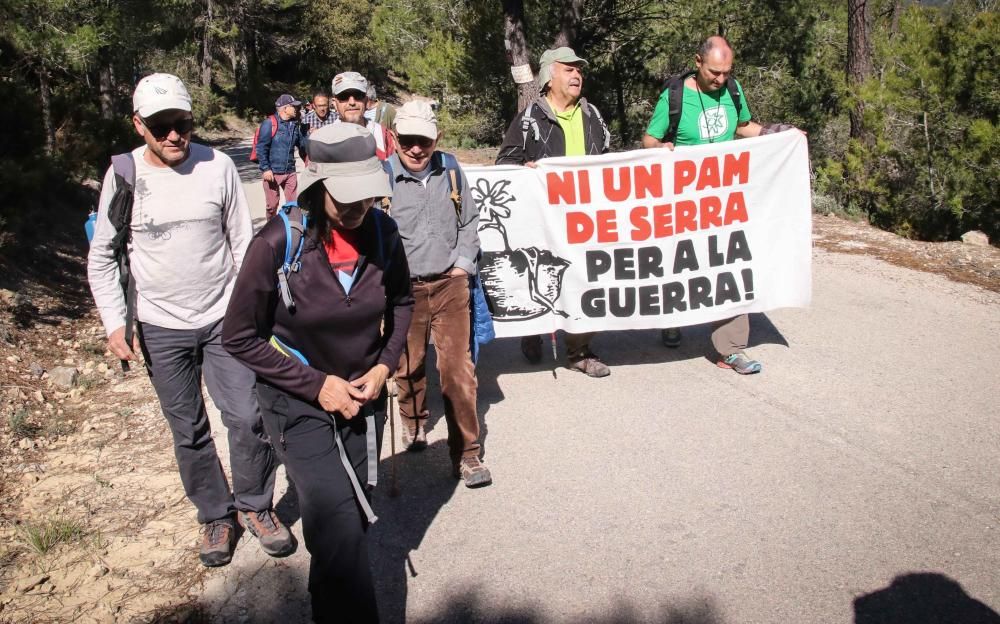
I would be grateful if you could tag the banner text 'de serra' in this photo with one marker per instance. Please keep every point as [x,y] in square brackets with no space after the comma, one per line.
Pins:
[653,219]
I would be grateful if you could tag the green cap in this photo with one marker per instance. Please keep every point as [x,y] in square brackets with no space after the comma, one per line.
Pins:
[559,55]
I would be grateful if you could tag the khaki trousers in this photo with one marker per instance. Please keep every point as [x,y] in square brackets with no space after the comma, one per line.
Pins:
[731,335]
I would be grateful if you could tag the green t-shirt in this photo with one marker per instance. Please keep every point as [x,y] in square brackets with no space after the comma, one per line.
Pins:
[705,117]
[571,122]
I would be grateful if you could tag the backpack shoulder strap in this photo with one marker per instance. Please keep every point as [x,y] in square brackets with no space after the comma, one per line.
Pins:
[274,125]
[675,98]
[124,167]
[454,181]
[528,121]
[389,171]
[295,222]
[734,94]
[120,215]
[604,125]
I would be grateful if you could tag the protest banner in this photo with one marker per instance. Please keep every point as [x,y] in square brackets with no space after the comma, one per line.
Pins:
[646,239]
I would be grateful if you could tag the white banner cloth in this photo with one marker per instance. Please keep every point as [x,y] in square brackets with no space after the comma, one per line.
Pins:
[647,238]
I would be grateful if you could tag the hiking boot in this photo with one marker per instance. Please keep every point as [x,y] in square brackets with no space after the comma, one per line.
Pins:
[414,438]
[531,347]
[740,363]
[275,539]
[218,541]
[590,365]
[473,472]
[671,338]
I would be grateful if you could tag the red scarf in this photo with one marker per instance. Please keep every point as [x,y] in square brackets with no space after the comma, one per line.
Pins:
[342,250]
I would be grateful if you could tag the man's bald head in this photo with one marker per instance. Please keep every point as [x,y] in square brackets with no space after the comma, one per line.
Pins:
[717,43]
[714,61]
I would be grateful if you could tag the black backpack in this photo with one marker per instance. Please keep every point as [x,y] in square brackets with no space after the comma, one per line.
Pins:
[675,86]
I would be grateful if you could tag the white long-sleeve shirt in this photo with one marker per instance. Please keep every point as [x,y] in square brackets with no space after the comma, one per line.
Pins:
[190,228]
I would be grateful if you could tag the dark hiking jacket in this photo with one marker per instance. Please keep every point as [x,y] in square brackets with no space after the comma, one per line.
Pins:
[522,144]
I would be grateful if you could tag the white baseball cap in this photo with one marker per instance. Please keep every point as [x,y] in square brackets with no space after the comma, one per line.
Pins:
[416,118]
[160,92]
[349,81]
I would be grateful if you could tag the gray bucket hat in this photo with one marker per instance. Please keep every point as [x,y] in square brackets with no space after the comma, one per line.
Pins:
[559,55]
[342,157]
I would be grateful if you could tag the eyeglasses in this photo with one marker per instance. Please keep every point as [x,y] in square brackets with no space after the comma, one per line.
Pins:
[161,131]
[408,141]
[346,95]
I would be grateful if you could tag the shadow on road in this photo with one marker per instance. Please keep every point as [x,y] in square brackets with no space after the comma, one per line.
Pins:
[922,598]
[425,486]
[465,604]
[617,348]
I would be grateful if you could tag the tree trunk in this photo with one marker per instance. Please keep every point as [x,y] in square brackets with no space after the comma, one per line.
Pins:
[516,45]
[859,62]
[242,58]
[897,11]
[206,48]
[623,130]
[570,17]
[106,87]
[45,97]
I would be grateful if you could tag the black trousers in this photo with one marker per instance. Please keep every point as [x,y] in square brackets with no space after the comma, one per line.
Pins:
[333,524]
[176,360]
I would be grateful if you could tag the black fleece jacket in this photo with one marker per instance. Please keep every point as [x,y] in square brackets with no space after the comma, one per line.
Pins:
[339,333]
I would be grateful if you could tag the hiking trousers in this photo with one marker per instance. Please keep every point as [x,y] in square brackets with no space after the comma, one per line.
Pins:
[335,529]
[176,359]
[441,311]
[288,182]
[731,336]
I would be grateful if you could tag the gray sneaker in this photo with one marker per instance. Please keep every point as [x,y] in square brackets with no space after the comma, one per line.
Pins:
[218,541]
[473,471]
[590,365]
[275,539]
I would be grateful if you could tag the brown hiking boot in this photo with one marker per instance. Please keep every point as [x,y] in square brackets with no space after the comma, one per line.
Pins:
[218,541]
[275,539]
[473,472]
[414,436]
[590,365]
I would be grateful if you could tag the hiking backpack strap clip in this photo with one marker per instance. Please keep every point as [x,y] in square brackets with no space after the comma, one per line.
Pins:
[120,215]
[295,221]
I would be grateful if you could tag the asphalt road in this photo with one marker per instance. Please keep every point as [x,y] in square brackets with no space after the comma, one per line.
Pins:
[857,479]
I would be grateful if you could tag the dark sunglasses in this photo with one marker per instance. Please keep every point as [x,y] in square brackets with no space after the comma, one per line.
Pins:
[408,141]
[346,95]
[161,131]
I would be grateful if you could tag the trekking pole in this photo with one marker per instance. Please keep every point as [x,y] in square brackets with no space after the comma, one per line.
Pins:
[555,356]
[393,480]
